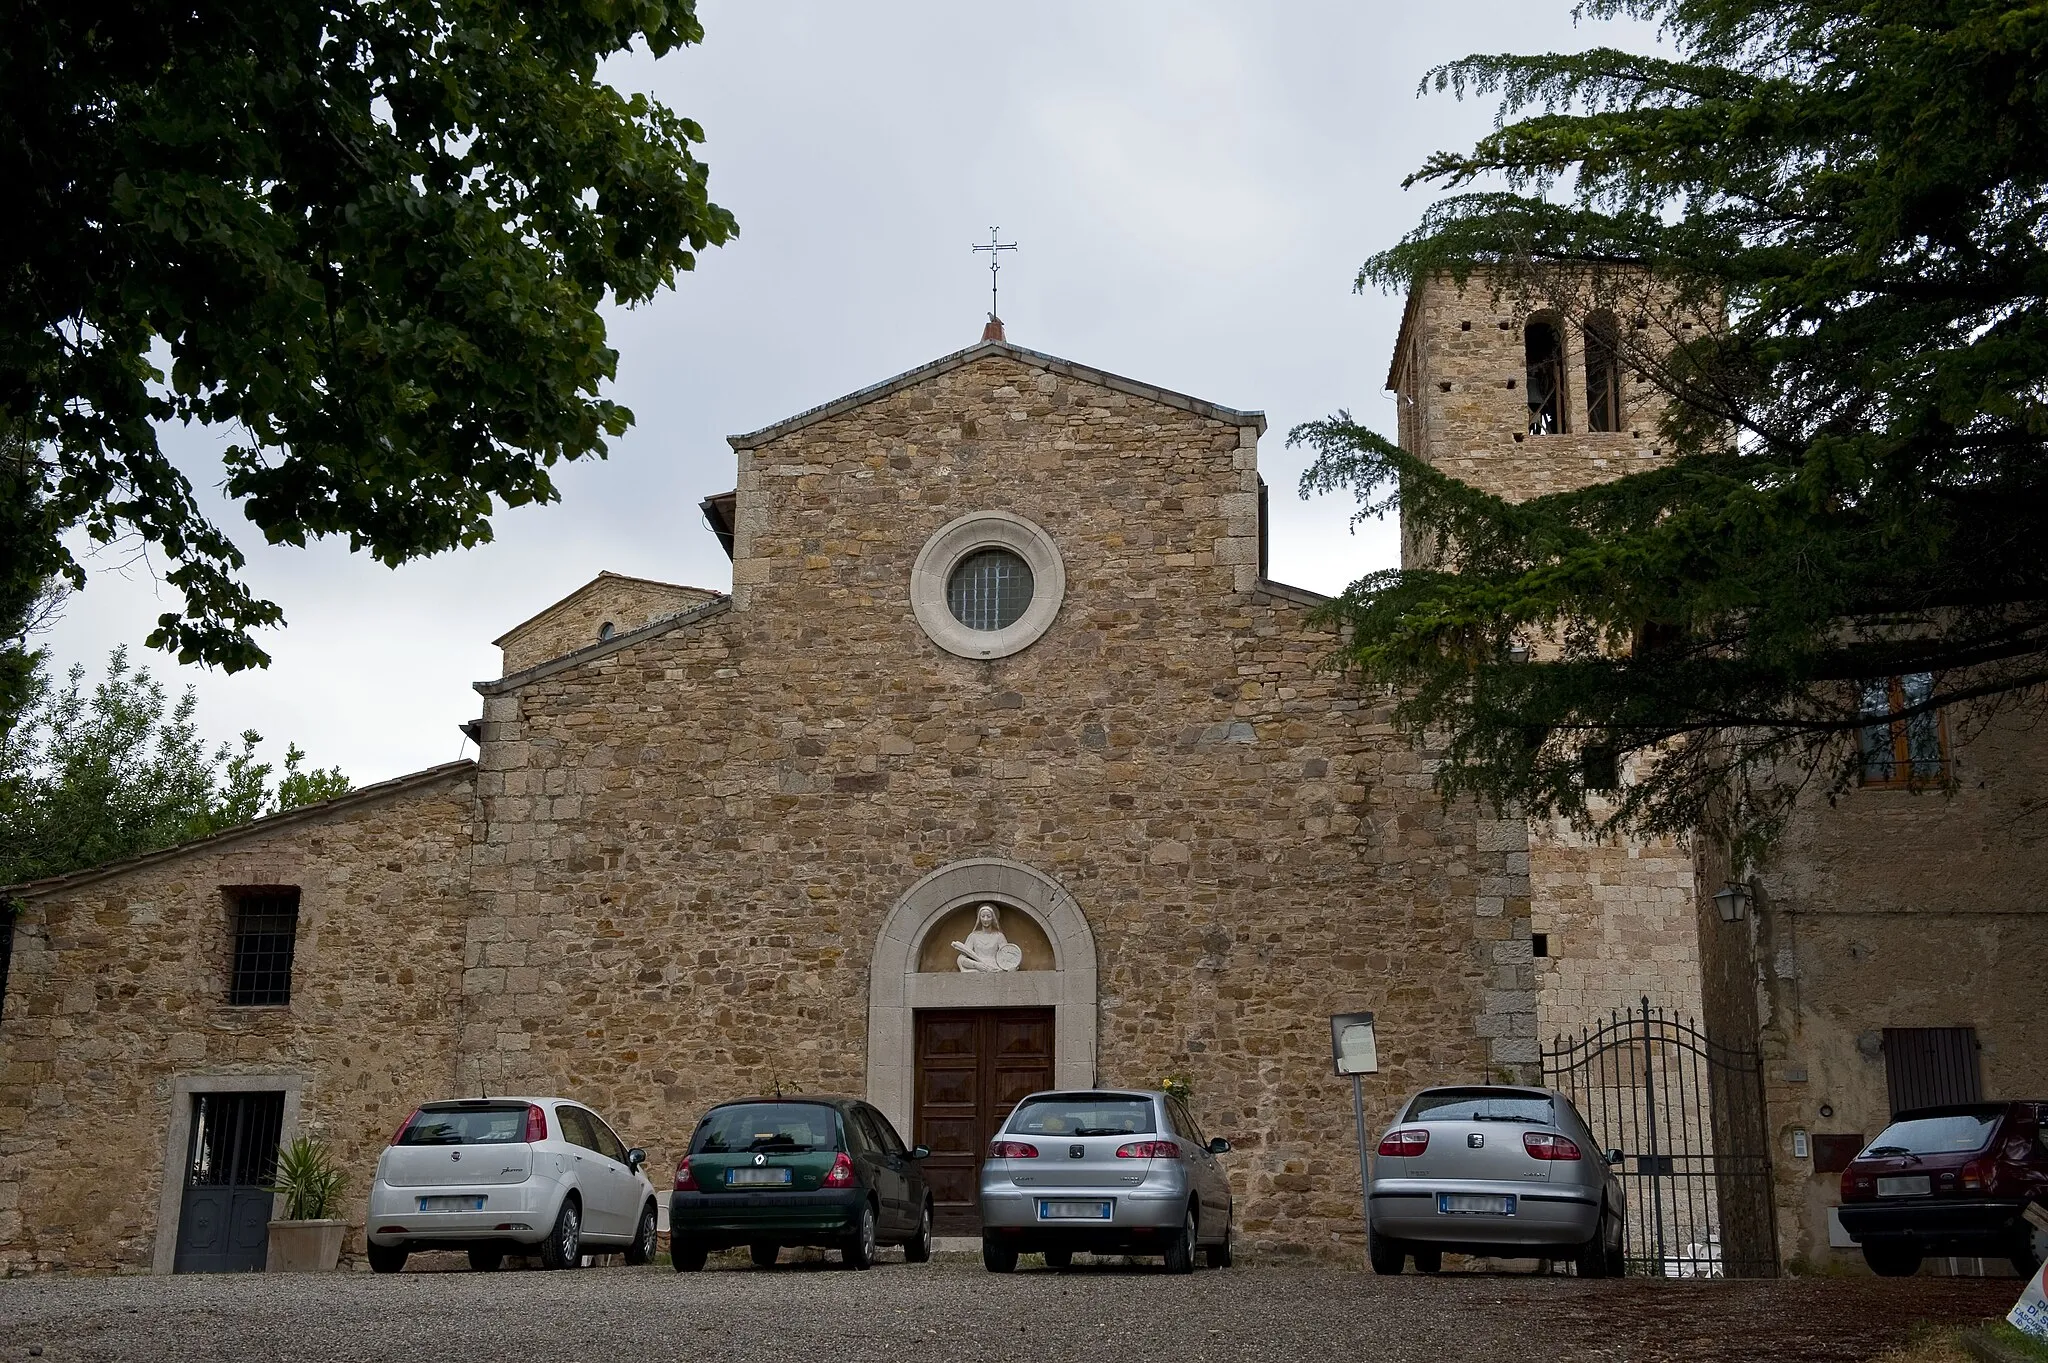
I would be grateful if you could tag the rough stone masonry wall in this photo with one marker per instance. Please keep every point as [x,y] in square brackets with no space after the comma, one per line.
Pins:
[574,621]
[692,842]
[1617,917]
[1891,908]
[1618,913]
[119,988]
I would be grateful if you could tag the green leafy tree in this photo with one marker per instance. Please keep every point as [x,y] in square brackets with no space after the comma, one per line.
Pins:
[1851,199]
[372,239]
[91,777]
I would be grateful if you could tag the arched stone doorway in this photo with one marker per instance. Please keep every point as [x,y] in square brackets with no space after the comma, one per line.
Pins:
[918,996]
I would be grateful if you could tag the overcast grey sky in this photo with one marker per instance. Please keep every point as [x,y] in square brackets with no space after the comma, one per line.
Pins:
[1192,187]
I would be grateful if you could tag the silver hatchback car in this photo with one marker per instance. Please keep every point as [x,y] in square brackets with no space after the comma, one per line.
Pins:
[1508,1172]
[1115,1171]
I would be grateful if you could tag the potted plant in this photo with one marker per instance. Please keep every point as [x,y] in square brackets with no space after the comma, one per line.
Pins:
[307,1239]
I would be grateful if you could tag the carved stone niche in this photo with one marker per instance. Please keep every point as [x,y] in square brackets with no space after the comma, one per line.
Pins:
[935,954]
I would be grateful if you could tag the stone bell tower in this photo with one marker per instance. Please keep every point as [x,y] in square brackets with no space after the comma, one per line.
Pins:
[1522,398]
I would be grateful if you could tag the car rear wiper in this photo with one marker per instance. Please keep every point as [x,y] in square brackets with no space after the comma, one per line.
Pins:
[1100,1131]
[1887,1150]
[1526,1121]
[783,1147]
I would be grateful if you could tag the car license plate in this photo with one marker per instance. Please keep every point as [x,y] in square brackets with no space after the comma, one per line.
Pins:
[451,1204]
[1912,1185]
[1049,1210]
[757,1176]
[1475,1204]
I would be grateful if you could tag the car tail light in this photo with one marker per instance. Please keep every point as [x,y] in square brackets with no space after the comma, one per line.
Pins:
[1548,1145]
[842,1175]
[1012,1150]
[686,1182]
[1980,1174]
[400,1132]
[1855,1186]
[1148,1150]
[536,1123]
[1402,1143]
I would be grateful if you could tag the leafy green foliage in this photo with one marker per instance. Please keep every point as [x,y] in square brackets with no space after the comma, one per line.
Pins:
[371,238]
[309,1179]
[87,778]
[1845,203]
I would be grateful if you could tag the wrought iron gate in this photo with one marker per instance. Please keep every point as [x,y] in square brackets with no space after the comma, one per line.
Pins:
[1687,1114]
[224,1223]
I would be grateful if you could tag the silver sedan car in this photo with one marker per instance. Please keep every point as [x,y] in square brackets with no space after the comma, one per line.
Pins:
[1104,1172]
[1508,1172]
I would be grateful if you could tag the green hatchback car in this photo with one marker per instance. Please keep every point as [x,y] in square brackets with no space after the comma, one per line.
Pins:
[770,1172]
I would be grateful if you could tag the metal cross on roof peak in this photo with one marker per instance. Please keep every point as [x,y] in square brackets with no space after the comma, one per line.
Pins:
[995,247]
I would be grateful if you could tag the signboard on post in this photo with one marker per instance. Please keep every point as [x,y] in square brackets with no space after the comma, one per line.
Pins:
[1354,1050]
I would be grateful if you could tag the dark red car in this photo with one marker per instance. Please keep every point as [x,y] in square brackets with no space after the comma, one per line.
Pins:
[1951,1180]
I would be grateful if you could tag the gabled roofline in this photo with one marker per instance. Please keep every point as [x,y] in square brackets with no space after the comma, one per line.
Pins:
[604,649]
[270,823]
[1300,596]
[545,611]
[946,364]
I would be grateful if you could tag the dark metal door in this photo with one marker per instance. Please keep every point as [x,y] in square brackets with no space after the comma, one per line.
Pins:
[1687,1114]
[973,1065]
[224,1224]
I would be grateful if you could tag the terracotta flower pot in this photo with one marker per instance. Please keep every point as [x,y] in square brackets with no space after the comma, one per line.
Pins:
[305,1246]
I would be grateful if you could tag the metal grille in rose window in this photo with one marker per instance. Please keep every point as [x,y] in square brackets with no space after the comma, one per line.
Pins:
[989,590]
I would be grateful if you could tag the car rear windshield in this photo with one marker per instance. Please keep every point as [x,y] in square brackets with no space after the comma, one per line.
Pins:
[1480,1105]
[1084,1114]
[499,1124]
[788,1127]
[1952,1135]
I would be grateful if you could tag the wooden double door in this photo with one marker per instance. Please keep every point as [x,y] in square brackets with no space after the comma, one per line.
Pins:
[973,1064]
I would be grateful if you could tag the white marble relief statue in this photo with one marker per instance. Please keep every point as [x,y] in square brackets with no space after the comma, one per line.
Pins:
[986,950]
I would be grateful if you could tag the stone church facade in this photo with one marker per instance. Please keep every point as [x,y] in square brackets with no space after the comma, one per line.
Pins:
[721,842]
[716,843]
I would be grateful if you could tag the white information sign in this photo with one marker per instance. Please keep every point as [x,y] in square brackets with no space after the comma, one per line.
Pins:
[1352,1046]
[2030,1315]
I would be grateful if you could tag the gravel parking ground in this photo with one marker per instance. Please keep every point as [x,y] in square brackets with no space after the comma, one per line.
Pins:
[952,1310]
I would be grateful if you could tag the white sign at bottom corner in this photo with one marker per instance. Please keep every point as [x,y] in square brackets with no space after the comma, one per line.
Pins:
[2030,1315]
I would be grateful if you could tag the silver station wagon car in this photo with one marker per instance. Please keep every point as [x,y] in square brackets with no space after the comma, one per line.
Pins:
[493,1176]
[1493,1170]
[1104,1172]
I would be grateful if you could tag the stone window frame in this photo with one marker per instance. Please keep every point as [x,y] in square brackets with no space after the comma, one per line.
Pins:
[1559,364]
[170,1205]
[235,899]
[949,546]
[1884,730]
[1600,356]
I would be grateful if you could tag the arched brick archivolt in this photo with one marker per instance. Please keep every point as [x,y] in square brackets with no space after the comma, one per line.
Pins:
[897,989]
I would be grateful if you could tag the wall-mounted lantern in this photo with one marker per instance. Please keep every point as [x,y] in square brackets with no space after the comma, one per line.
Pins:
[1732,900]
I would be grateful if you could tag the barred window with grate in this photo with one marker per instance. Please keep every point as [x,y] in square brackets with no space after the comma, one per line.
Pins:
[991,589]
[266,929]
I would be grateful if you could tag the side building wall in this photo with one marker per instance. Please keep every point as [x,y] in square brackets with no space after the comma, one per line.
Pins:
[1888,909]
[117,1012]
